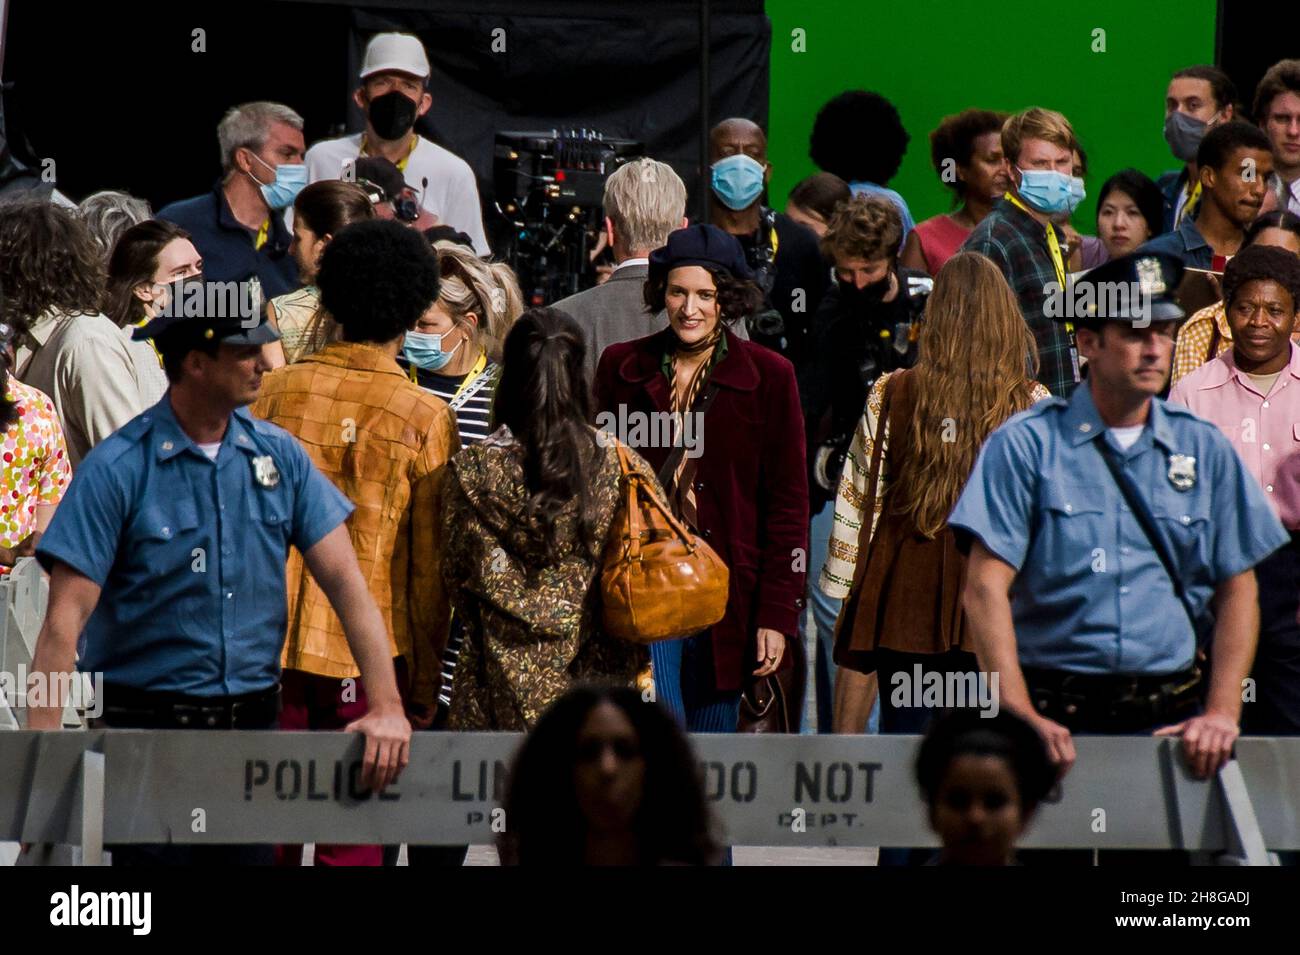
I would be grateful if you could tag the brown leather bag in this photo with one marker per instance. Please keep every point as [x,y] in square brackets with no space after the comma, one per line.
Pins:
[774,704]
[659,581]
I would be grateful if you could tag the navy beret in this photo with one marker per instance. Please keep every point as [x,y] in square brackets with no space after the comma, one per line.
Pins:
[703,245]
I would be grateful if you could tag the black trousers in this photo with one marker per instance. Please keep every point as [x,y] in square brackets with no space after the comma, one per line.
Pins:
[1275,711]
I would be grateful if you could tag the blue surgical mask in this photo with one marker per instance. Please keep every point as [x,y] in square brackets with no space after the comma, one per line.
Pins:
[290,178]
[424,350]
[738,181]
[1077,192]
[1046,189]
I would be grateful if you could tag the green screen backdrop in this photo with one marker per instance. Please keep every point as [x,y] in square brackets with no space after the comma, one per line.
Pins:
[932,58]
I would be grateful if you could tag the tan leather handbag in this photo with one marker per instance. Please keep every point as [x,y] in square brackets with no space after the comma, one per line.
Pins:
[659,581]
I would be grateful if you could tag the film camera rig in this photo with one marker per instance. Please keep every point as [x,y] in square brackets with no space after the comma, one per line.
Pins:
[550,187]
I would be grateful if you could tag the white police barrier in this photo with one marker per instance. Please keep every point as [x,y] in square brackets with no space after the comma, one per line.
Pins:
[86,789]
[24,594]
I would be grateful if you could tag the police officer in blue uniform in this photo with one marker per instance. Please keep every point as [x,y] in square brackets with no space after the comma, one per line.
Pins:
[1072,513]
[167,562]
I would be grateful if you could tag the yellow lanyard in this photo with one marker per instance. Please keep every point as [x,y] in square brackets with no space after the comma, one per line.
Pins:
[415,140]
[140,324]
[1053,246]
[263,234]
[473,374]
[469,379]
[776,243]
[1058,264]
[1193,194]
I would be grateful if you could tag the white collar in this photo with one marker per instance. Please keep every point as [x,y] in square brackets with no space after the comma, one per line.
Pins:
[626,262]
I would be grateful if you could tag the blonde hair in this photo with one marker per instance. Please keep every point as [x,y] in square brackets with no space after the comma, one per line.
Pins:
[975,362]
[864,227]
[1036,123]
[488,289]
[645,200]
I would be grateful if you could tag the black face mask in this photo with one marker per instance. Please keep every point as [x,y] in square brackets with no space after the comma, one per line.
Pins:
[868,296]
[392,115]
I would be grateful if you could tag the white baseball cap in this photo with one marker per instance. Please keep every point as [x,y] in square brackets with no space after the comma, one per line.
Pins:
[400,52]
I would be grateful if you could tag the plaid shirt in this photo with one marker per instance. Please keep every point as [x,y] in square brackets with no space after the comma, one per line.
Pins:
[1017,244]
[1195,337]
[383,441]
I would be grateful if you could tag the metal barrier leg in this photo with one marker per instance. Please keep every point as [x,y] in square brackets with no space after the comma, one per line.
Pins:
[1244,837]
[91,850]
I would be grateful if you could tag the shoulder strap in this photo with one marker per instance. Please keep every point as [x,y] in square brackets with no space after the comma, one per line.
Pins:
[1138,505]
[1215,336]
[669,468]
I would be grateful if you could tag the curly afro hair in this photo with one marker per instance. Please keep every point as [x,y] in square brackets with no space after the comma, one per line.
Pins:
[840,129]
[954,138]
[1259,262]
[376,279]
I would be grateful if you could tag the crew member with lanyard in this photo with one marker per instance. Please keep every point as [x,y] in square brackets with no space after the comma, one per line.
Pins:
[454,352]
[454,349]
[1020,239]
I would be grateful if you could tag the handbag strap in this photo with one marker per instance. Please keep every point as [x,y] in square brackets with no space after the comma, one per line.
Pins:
[633,481]
[1138,505]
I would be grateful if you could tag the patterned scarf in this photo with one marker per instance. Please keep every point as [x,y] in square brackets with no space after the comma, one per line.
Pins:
[681,493]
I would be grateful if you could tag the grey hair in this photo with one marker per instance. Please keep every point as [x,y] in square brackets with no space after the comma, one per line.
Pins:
[108,214]
[248,126]
[645,200]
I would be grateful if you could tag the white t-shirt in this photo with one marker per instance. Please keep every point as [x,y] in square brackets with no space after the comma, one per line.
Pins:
[1126,437]
[209,449]
[451,194]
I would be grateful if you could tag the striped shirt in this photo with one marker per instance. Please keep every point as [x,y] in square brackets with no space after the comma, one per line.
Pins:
[472,420]
[474,415]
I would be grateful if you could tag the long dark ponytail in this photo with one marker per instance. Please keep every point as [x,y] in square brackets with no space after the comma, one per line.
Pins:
[544,398]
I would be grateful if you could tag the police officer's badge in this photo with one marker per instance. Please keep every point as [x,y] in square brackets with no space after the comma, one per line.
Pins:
[265,473]
[1182,471]
[1152,282]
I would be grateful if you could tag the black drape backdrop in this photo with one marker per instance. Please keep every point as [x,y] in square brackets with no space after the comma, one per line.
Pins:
[120,98]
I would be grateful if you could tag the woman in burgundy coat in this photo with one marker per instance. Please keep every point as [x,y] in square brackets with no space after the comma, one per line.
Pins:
[742,483]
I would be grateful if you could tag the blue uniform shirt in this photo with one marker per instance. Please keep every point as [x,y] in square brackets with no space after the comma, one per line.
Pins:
[190,553]
[1091,595]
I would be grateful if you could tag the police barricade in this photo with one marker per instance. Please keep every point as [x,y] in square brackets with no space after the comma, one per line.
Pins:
[130,786]
[24,592]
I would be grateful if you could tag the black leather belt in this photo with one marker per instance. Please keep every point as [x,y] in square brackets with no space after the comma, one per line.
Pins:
[1113,703]
[127,707]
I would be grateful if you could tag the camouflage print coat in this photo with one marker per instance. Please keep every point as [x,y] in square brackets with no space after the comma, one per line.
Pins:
[531,626]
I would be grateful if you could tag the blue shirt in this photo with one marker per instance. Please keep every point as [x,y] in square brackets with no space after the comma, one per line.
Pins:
[190,553]
[1091,595]
[1186,242]
[226,244]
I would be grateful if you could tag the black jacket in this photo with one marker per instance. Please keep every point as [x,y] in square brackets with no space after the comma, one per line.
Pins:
[853,347]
